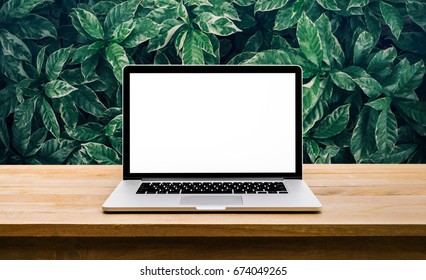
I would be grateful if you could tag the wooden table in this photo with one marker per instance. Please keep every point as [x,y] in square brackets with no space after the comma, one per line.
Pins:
[369,212]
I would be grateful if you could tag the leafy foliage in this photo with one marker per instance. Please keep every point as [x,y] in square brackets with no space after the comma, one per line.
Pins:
[363,61]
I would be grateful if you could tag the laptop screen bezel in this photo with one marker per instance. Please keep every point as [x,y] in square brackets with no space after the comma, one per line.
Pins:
[127,175]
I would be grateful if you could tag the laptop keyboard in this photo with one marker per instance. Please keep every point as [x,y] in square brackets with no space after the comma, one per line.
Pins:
[212,187]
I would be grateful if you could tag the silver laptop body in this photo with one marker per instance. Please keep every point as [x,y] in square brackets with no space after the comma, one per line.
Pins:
[219,126]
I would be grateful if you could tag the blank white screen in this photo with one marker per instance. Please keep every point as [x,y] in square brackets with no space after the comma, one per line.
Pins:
[212,123]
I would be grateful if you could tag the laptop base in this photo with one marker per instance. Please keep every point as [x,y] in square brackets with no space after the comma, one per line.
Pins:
[125,199]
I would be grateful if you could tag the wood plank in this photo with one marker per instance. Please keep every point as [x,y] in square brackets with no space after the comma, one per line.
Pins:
[359,200]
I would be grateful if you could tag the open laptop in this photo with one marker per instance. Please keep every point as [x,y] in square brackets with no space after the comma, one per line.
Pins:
[212,138]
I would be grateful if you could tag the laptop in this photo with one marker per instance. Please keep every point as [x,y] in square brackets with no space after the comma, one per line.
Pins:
[212,138]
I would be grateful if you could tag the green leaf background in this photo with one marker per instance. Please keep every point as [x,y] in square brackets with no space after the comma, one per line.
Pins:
[364,93]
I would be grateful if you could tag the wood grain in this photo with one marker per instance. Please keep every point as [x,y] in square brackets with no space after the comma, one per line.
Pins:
[367,200]
[369,211]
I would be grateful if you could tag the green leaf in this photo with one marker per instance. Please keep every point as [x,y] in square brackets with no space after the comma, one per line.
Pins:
[342,80]
[313,116]
[225,9]
[117,143]
[309,40]
[288,15]
[242,58]
[358,3]
[102,154]
[21,128]
[283,57]
[121,31]
[120,13]
[269,5]
[80,156]
[49,118]
[161,58]
[381,60]
[168,29]
[326,89]
[33,27]
[369,86]
[18,8]
[220,48]
[219,8]
[392,18]
[117,58]
[56,151]
[380,104]
[204,42]
[58,89]
[278,42]
[40,59]
[279,57]
[334,123]
[386,131]
[4,135]
[242,3]
[415,110]
[102,7]
[165,12]
[115,126]
[405,77]
[83,133]
[77,26]
[86,99]
[417,11]
[56,61]
[88,67]
[183,13]
[12,68]
[343,140]
[36,141]
[416,157]
[198,3]
[85,52]
[413,42]
[8,101]
[90,23]
[246,22]
[312,149]
[311,95]
[144,29]
[332,51]
[326,154]
[68,111]
[254,42]
[189,44]
[217,25]
[329,5]
[363,142]
[373,25]
[363,46]
[73,77]
[398,155]
[187,49]
[13,46]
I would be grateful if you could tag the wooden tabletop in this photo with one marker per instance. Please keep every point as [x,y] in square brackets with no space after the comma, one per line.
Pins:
[358,200]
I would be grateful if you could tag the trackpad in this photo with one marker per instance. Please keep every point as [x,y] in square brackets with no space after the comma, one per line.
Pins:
[211,200]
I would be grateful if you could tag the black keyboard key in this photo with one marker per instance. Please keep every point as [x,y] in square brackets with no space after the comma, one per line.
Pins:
[212,187]
[239,191]
[174,192]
